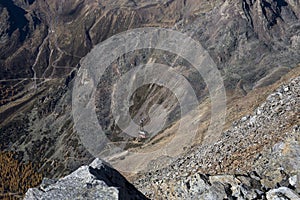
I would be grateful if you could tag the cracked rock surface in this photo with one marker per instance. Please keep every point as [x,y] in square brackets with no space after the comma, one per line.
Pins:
[96,181]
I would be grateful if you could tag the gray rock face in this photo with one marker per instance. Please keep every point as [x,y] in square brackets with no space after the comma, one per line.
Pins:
[96,181]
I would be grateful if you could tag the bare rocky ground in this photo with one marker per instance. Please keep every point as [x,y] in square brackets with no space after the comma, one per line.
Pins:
[257,158]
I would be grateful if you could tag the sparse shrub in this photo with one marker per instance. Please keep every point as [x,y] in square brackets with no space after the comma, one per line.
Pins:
[16,177]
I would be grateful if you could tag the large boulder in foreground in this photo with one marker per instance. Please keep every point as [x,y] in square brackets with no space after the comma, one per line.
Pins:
[96,181]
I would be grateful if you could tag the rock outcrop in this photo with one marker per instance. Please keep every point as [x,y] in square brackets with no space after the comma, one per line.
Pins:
[96,181]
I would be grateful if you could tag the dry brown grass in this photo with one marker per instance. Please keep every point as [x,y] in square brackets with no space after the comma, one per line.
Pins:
[239,106]
[16,177]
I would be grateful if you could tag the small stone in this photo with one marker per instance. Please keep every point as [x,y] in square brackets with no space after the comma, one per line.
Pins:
[286,89]
[252,120]
[282,191]
[258,112]
[293,180]
[244,118]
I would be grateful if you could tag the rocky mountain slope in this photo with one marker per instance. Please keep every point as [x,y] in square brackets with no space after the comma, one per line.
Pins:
[257,158]
[253,43]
